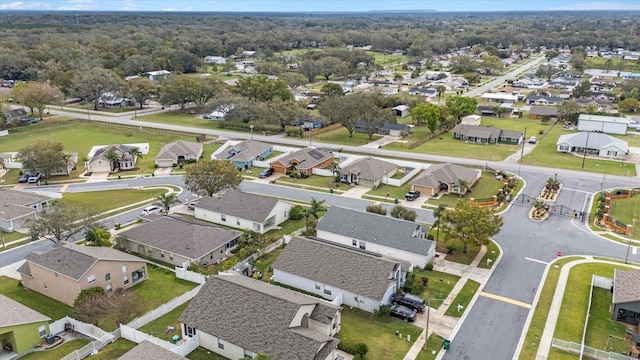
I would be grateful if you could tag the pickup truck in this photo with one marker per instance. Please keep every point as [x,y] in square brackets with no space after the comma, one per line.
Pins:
[412,195]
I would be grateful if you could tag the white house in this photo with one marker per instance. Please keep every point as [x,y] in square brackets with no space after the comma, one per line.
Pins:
[157,75]
[595,143]
[474,120]
[357,278]
[400,239]
[602,123]
[18,207]
[499,97]
[243,211]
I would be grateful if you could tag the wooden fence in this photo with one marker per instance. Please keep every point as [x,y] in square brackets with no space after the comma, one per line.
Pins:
[423,140]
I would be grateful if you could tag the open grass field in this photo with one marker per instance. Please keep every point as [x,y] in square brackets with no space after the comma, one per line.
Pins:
[633,138]
[341,136]
[446,145]
[101,201]
[485,187]
[463,298]
[439,286]
[386,60]
[626,209]
[546,154]
[179,118]
[45,305]
[600,63]
[58,352]
[379,333]
[204,354]
[395,192]
[326,182]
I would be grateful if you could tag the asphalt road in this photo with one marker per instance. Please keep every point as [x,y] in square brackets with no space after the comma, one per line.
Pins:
[500,80]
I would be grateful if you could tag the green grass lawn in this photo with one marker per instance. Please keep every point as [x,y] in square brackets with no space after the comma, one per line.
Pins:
[434,344]
[439,286]
[326,182]
[12,236]
[159,326]
[58,352]
[101,201]
[631,138]
[532,127]
[387,59]
[601,326]
[341,136]
[114,350]
[485,187]
[445,144]
[38,302]
[263,263]
[557,354]
[379,333]
[204,354]
[493,251]
[545,154]
[457,256]
[626,209]
[599,63]
[179,118]
[274,154]
[395,192]
[464,298]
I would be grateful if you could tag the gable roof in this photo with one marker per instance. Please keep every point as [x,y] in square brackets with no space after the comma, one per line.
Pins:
[448,173]
[17,203]
[240,204]
[626,287]
[377,229]
[510,134]
[256,315]
[358,272]
[197,238]
[14,313]
[483,132]
[369,168]
[401,127]
[74,260]
[604,118]
[149,351]
[596,141]
[543,110]
[306,158]
[121,150]
[174,149]
[246,150]
[543,97]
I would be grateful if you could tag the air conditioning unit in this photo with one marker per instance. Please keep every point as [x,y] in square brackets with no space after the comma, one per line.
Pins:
[50,339]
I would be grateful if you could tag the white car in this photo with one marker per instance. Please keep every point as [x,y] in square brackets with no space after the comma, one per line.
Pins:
[533,140]
[151,209]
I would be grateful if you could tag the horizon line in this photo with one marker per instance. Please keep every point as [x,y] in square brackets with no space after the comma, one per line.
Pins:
[319,11]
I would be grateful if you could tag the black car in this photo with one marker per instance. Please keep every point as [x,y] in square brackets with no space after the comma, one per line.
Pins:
[266,173]
[23,178]
[409,300]
[403,312]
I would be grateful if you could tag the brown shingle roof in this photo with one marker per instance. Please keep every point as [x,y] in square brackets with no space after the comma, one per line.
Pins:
[626,286]
[148,351]
[13,313]
[369,168]
[177,148]
[448,173]
[16,203]
[240,204]
[306,158]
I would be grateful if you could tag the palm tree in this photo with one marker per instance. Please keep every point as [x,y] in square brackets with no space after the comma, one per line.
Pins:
[135,152]
[112,156]
[437,213]
[315,207]
[463,186]
[165,200]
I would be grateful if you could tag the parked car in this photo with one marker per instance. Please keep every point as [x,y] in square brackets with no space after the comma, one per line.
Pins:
[409,300]
[412,195]
[192,205]
[403,312]
[151,209]
[34,178]
[533,140]
[266,173]
[23,178]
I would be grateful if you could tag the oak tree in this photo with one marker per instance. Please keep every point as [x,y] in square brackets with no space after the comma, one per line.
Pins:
[470,224]
[211,176]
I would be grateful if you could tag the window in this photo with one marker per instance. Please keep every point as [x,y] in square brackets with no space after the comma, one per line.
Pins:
[161,254]
[126,279]
[327,291]
[107,277]
[124,269]
[170,256]
[42,330]
[363,245]
[189,331]
[237,222]
[108,288]
[564,148]
[248,354]
[285,214]
[91,279]
[612,153]
[317,287]
[223,217]
[354,242]
[220,344]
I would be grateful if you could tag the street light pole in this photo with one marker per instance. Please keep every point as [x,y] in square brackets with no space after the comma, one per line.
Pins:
[633,230]
[251,127]
[524,136]
[426,334]
[586,145]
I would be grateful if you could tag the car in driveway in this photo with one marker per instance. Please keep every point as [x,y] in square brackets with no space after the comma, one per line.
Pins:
[266,173]
[151,209]
[409,300]
[412,195]
[533,140]
[403,312]
[34,178]
[23,178]
[192,205]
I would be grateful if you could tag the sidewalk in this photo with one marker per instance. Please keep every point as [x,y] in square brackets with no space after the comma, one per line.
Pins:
[438,322]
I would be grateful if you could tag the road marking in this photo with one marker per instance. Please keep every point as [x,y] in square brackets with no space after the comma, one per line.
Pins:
[634,251]
[576,190]
[536,260]
[64,188]
[506,299]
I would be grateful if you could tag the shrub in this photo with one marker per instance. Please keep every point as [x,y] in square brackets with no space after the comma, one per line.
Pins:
[376,209]
[384,310]
[430,237]
[117,226]
[296,212]
[429,267]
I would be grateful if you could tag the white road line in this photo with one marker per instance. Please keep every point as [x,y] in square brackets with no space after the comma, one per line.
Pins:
[536,260]
[634,251]
[576,190]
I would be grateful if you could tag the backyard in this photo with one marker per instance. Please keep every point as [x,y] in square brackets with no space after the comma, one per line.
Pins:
[114,350]
[58,352]
[162,326]
[446,145]
[54,309]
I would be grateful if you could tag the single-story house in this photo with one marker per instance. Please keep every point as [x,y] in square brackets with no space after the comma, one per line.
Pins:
[237,316]
[177,152]
[487,135]
[400,239]
[427,92]
[401,110]
[367,172]
[473,120]
[599,104]
[542,100]
[21,328]
[499,97]
[595,143]
[150,351]
[180,241]
[243,154]
[63,272]
[487,110]
[243,210]
[445,177]
[539,112]
[66,165]
[18,207]
[304,161]
[626,296]
[602,123]
[395,129]
[218,60]
[361,279]
[123,159]
[157,75]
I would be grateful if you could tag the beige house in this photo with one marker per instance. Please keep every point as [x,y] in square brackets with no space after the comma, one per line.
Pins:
[446,178]
[64,271]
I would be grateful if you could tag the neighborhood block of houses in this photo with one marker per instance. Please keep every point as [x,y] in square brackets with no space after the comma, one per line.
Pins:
[18,207]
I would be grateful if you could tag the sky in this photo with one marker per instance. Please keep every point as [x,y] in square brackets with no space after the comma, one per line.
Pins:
[316,5]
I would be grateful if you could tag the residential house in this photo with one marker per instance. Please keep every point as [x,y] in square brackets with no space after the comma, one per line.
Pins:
[599,104]
[602,123]
[237,317]
[354,277]
[486,135]
[112,157]
[63,272]
[446,178]
[367,172]
[542,100]
[364,87]
[472,120]
[540,112]
[150,351]
[21,328]
[401,110]
[626,296]
[599,84]
[428,92]
[242,210]
[499,97]
[244,153]
[395,129]
[400,239]
[487,110]
[65,166]
[304,161]
[595,143]
[218,60]
[157,75]
[178,152]
[18,207]
[180,241]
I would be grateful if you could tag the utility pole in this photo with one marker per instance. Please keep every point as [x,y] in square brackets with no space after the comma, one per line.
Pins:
[426,339]
[524,137]
[633,231]
[586,146]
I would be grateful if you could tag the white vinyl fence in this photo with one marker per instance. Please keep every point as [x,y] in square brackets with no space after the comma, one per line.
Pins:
[602,282]
[93,347]
[184,274]
[163,309]
[83,328]
[182,348]
[588,351]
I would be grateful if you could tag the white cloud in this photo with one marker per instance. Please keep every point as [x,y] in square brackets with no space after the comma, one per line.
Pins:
[170,9]
[81,1]
[598,6]
[129,5]
[19,5]
[188,8]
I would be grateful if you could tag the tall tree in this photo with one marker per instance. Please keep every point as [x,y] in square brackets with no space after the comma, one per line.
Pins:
[347,110]
[179,89]
[36,96]
[427,113]
[261,88]
[60,222]
[470,224]
[206,88]
[90,85]
[293,79]
[97,235]
[212,176]
[284,113]
[491,64]
[166,200]
[569,110]
[460,106]
[330,90]
[140,90]
[463,64]
[437,215]
[44,156]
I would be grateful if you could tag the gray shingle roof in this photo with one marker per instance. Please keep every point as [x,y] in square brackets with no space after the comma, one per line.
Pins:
[244,151]
[596,141]
[376,229]
[181,237]
[148,351]
[544,110]
[306,158]
[240,204]
[13,313]
[369,168]
[256,316]
[16,203]
[511,134]
[626,286]
[174,149]
[350,270]
[448,173]
[483,132]
[74,260]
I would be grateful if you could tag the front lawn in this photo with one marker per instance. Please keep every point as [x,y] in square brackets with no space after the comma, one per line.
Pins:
[439,286]
[378,332]
[58,352]
[493,252]
[341,136]
[180,118]
[456,247]
[114,350]
[43,304]
[160,326]
[395,192]
[12,236]
[101,201]
[486,187]
[626,209]
[446,145]
[325,182]
[463,298]
[434,344]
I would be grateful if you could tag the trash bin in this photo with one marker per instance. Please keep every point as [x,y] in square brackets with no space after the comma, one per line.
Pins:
[153,174]
[446,343]
[119,177]
[396,201]
[46,183]
[331,191]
